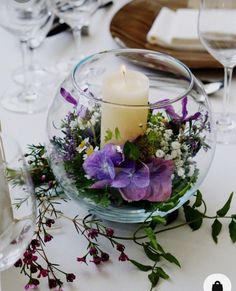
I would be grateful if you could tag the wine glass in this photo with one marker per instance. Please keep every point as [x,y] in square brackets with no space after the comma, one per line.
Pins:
[40,74]
[24,19]
[17,203]
[75,13]
[217,32]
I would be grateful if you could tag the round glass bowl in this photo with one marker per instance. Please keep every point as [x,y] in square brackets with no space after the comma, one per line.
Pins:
[130,134]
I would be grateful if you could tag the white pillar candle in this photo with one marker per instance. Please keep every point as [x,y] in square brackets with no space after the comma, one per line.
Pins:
[125,88]
[6,213]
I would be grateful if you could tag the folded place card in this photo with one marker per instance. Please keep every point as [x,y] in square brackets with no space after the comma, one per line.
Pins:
[176,29]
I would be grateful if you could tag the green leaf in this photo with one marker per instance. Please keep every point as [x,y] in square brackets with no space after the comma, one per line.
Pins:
[154,256]
[216,229]
[162,273]
[198,201]
[193,217]
[159,220]
[232,230]
[117,133]
[152,237]
[131,151]
[154,278]
[108,136]
[170,258]
[223,211]
[141,267]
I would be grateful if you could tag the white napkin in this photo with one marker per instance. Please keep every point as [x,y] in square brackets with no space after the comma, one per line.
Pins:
[176,29]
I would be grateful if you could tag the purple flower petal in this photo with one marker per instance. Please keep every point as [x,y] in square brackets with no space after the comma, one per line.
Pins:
[141,177]
[160,187]
[193,117]
[98,166]
[171,112]
[121,180]
[133,193]
[110,150]
[101,184]
[68,97]
[184,107]
[82,112]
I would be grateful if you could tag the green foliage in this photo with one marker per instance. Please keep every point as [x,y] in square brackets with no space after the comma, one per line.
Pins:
[232,230]
[193,217]
[224,210]
[108,136]
[140,266]
[131,151]
[198,201]
[216,229]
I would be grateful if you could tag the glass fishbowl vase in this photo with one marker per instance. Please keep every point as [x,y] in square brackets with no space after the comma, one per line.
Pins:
[130,134]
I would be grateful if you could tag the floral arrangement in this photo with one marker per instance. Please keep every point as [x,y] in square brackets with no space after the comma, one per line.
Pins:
[36,265]
[153,171]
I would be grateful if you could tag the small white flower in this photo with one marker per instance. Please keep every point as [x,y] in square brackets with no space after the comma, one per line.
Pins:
[87,177]
[174,154]
[169,132]
[191,171]
[119,149]
[168,157]
[179,163]
[175,145]
[96,149]
[181,172]
[160,154]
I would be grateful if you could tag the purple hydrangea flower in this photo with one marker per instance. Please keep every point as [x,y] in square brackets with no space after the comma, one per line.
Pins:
[152,182]
[100,165]
[160,187]
[135,180]
[132,181]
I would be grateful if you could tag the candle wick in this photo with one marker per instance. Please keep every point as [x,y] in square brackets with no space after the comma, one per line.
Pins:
[123,71]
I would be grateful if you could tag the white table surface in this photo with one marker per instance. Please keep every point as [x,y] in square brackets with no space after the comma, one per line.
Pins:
[198,254]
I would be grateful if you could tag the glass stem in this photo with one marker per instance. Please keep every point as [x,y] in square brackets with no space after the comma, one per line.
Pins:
[227,83]
[26,64]
[32,58]
[77,37]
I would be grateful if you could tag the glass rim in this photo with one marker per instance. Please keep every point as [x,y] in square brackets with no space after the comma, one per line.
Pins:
[158,105]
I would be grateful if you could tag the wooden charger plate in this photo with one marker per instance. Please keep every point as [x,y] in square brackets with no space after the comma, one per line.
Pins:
[132,22]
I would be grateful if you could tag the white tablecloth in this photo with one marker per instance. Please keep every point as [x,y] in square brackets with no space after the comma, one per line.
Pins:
[198,254]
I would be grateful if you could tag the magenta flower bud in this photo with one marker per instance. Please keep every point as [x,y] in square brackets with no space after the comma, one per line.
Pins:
[18,263]
[48,237]
[70,277]
[92,233]
[109,232]
[104,257]
[96,260]
[120,247]
[49,222]
[123,257]
[82,260]
[93,251]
